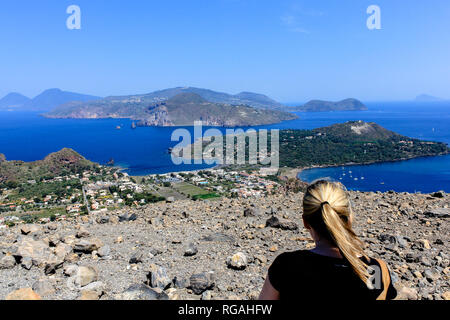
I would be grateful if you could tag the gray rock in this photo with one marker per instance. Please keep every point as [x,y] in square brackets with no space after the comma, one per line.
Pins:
[62,250]
[82,233]
[438,213]
[27,263]
[438,194]
[136,257]
[103,220]
[180,282]
[238,261]
[142,292]
[251,212]
[37,250]
[158,277]
[96,286]
[53,264]
[43,287]
[85,275]
[29,229]
[431,275]
[201,282]
[104,251]
[283,224]
[206,295]
[7,262]
[85,246]
[191,250]
[127,217]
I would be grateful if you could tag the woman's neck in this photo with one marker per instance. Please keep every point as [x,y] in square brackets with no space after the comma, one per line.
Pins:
[326,249]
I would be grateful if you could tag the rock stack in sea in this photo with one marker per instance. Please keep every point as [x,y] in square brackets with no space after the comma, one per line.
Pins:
[215,249]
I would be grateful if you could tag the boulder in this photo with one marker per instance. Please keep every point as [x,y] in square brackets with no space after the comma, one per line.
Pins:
[27,263]
[158,278]
[29,229]
[43,287]
[37,250]
[87,246]
[438,194]
[82,233]
[136,257]
[438,213]
[238,261]
[142,292]
[283,224]
[23,294]
[85,275]
[127,217]
[104,251]
[191,250]
[62,250]
[7,262]
[407,293]
[201,282]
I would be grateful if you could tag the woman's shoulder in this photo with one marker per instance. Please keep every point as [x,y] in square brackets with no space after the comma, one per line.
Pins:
[291,256]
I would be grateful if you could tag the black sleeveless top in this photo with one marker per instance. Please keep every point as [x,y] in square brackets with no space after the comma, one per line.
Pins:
[305,275]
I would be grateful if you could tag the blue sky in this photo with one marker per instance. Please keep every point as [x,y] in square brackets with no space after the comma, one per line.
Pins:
[290,50]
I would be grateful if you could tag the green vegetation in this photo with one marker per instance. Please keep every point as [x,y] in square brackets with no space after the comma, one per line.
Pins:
[61,163]
[340,144]
[40,189]
[205,196]
[50,213]
[189,189]
[350,142]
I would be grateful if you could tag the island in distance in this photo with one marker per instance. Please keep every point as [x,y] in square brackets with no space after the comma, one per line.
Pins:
[428,98]
[180,107]
[326,106]
[45,101]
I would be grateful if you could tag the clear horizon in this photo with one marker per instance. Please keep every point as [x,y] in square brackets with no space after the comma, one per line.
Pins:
[291,51]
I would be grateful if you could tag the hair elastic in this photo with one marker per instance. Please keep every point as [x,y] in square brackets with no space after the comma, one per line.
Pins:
[324,203]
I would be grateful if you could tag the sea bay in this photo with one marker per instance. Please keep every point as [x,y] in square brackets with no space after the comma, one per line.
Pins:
[28,136]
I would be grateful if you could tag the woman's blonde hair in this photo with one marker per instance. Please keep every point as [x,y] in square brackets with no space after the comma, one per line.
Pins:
[327,209]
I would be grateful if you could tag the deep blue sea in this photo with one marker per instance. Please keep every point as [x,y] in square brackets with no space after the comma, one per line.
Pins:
[28,137]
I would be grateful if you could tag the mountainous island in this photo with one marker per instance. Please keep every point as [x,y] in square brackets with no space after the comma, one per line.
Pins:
[45,101]
[427,98]
[182,109]
[325,106]
[63,162]
[353,142]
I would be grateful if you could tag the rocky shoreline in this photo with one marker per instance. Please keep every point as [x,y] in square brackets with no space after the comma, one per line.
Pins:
[215,249]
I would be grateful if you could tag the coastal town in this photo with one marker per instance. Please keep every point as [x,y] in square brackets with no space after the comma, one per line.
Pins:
[109,188]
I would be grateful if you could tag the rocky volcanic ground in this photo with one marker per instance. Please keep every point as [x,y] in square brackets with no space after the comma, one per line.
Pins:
[215,249]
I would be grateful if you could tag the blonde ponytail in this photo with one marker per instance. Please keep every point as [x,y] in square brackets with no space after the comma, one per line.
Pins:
[327,209]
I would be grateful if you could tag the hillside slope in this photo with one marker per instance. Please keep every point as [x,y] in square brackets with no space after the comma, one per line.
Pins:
[13,101]
[156,255]
[345,143]
[65,161]
[180,110]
